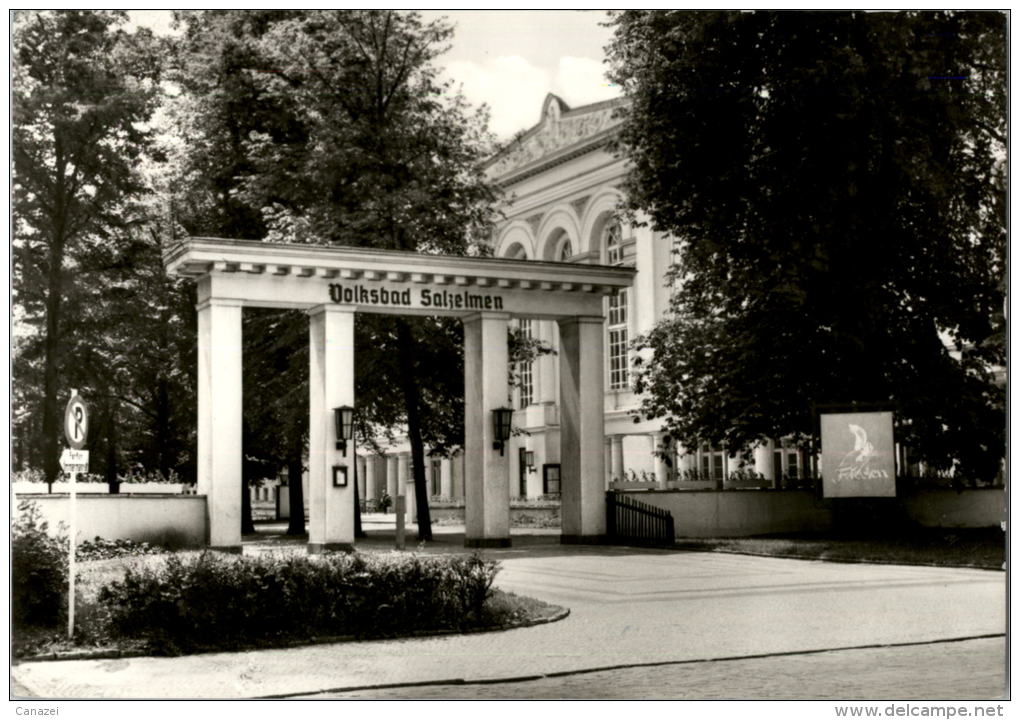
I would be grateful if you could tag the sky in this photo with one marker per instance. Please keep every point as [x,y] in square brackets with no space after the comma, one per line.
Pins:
[510,59]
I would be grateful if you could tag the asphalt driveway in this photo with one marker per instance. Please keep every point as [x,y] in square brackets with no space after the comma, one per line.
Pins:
[628,607]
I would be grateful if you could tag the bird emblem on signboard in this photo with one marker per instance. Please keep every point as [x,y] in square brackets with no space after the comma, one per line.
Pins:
[855,463]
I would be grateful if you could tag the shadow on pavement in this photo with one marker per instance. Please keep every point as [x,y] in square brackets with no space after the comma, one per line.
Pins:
[380,537]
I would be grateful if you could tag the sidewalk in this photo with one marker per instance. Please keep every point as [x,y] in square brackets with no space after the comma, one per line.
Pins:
[628,606]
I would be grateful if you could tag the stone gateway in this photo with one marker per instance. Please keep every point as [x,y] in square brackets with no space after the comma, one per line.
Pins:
[486,293]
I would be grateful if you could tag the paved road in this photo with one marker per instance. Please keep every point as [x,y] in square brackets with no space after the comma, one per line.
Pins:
[973,670]
[627,606]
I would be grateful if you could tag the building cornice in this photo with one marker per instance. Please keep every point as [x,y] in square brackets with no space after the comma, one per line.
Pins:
[196,257]
[607,174]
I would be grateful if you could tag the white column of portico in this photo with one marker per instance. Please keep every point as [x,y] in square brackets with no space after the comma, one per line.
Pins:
[582,429]
[661,448]
[404,486]
[331,383]
[486,472]
[362,485]
[446,477]
[763,460]
[392,482]
[457,473]
[219,420]
[616,452]
[371,484]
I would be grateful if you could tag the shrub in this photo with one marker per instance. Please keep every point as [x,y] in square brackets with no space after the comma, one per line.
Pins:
[38,570]
[103,549]
[212,601]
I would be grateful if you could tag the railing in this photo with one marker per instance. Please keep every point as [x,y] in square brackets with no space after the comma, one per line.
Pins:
[636,522]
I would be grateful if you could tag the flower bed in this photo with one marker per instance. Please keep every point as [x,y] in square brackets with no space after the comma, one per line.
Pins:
[211,601]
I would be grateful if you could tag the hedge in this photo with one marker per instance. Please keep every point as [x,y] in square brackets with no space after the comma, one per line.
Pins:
[214,601]
[38,571]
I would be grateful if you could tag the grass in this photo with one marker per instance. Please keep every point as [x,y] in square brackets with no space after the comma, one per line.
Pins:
[502,610]
[965,547]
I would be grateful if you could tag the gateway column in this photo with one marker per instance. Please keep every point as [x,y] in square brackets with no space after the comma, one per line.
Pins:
[486,472]
[582,430]
[331,384]
[219,420]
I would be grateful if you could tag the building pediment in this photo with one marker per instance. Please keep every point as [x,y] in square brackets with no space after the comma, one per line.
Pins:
[560,134]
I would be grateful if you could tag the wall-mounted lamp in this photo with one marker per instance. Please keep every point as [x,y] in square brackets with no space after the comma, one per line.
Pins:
[343,418]
[501,418]
[529,460]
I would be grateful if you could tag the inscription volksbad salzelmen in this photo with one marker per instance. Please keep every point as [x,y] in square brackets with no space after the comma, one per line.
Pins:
[445,299]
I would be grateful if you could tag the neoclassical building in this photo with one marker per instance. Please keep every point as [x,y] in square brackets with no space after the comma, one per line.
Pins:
[562,186]
[563,190]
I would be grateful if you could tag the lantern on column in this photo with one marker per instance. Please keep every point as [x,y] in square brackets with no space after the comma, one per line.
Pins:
[501,418]
[343,419]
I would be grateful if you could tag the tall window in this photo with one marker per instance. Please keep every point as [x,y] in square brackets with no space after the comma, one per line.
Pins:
[618,359]
[613,240]
[712,463]
[619,370]
[799,465]
[526,376]
[436,468]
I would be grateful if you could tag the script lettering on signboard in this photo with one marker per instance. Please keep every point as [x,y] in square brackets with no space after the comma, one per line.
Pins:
[858,455]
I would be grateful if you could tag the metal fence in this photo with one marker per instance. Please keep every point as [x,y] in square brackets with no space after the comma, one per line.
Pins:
[633,521]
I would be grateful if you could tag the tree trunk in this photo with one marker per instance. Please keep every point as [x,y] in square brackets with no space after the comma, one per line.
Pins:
[247,525]
[163,439]
[405,351]
[54,298]
[51,420]
[358,532]
[111,449]
[296,523]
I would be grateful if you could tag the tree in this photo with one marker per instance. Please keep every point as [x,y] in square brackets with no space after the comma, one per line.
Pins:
[212,116]
[340,133]
[835,182]
[392,160]
[82,93]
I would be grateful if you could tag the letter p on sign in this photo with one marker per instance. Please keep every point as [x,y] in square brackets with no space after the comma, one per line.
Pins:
[76,421]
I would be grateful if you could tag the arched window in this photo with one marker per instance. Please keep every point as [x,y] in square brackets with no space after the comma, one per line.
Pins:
[516,252]
[612,238]
[565,252]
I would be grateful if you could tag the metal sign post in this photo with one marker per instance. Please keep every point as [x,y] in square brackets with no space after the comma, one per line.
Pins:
[73,461]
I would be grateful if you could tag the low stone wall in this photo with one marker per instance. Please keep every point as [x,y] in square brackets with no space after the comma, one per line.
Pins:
[946,508]
[743,513]
[529,513]
[91,488]
[708,513]
[179,520]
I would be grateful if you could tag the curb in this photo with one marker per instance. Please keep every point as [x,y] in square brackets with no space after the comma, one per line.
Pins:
[560,614]
[624,666]
[846,561]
